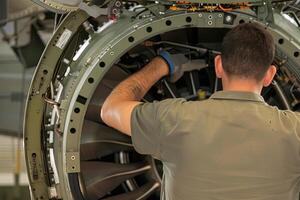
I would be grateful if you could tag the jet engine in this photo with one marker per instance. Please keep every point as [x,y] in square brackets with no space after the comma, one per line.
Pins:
[70,152]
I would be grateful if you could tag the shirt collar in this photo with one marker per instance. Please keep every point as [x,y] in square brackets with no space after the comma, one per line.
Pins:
[236,95]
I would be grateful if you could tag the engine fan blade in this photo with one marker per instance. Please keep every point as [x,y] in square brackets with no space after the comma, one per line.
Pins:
[94,107]
[102,177]
[98,140]
[110,81]
[138,194]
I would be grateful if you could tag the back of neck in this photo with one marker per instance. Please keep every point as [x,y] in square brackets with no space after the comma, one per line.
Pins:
[242,85]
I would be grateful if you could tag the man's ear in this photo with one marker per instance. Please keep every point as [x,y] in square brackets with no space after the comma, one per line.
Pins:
[269,76]
[218,66]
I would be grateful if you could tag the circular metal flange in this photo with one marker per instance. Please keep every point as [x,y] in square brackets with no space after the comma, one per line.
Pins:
[33,119]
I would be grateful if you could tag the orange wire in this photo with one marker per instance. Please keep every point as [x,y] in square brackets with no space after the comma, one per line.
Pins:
[209,8]
[225,9]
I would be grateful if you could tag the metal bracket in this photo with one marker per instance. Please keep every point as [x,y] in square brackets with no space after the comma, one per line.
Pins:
[156,9]
[93,10]
[73,162]
[265,12]
[113,9]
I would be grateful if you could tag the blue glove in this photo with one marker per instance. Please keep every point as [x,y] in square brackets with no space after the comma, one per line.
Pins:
[175,62]
[179,63]
[169,60]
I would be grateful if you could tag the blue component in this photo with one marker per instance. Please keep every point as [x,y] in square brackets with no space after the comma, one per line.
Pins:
[167,57]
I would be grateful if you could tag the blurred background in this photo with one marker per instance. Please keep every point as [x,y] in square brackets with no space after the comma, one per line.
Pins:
[25,29]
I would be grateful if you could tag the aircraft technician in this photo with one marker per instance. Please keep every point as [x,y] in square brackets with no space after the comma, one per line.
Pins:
[232,146]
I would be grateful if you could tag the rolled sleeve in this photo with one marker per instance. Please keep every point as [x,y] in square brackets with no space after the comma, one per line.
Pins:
[151,123]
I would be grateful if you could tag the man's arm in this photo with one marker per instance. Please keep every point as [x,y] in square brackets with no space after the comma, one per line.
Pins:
[117,108]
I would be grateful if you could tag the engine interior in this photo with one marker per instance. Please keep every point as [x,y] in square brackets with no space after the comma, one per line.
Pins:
[101,145]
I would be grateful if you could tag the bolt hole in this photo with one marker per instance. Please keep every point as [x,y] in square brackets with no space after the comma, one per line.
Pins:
[131,39]
[149,29]
[91,80]
[281,41]
[241,21]
[188,19]
[168,22]
[73,130]
[102,64]
[77,110]
[45,71]
[296,54]
[118,4]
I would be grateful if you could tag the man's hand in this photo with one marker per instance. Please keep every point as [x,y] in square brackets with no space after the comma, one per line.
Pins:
[117,108]
[179,63]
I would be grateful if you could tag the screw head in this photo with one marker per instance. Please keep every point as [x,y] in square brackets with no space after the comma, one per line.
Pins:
[228,18]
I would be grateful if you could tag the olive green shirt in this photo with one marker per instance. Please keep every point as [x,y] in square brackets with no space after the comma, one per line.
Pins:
[232,146]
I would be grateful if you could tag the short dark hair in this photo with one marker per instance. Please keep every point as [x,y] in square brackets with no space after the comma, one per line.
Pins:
[247,51]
